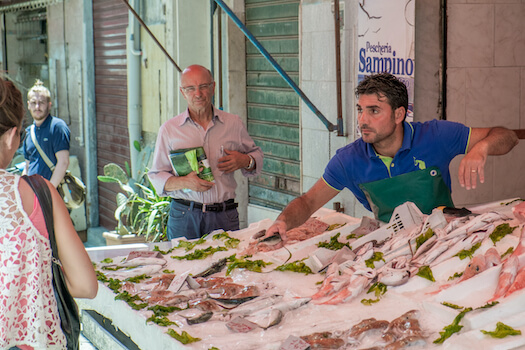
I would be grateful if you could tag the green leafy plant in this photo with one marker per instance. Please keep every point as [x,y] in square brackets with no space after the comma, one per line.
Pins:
[140,210]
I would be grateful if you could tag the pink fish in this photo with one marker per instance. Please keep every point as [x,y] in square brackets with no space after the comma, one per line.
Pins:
[510,268]
[492,257]
[506,277]
[332,283]
[356,286]
[519,211]
[519,283]
[520,248]
[477,265]
[480,263]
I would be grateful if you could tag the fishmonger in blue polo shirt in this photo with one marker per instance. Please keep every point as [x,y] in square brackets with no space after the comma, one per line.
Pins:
[390,147]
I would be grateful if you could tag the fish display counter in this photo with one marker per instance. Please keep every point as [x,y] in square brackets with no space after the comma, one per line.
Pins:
[439,281]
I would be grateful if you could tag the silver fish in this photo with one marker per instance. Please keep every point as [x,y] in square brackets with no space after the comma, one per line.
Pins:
[266,320]
[141,261]
[394,277]
[259,234]
[195,316]
[271,240]
[148,270]
[217,266]
[255,305]
[288,305]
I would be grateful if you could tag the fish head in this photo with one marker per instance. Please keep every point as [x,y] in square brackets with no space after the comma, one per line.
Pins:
[259,234]
[477,265]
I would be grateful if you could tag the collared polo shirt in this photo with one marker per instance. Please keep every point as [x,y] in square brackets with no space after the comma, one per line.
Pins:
[53,136]
[432,143]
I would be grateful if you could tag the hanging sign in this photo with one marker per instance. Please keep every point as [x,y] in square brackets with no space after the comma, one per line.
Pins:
[386,41]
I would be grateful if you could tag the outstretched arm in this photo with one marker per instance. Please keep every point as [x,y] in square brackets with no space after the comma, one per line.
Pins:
[301,208]
[484,142]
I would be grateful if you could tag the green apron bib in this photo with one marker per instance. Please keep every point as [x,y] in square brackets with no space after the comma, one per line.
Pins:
[425,188]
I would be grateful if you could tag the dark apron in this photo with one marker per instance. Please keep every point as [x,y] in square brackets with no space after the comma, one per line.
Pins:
[425,188]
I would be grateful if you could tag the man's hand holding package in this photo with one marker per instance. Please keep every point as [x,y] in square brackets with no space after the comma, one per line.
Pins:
[191,181]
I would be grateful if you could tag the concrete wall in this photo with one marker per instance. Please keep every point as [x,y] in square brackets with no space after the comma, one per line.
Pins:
[72,90]
[184,31]
[65,48]
[486,86]
[318,81]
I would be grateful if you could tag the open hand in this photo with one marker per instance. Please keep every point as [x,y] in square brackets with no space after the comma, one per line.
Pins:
[472,166]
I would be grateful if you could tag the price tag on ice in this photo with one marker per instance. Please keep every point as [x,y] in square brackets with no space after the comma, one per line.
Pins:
[177,282]
[240,325]
[294,343]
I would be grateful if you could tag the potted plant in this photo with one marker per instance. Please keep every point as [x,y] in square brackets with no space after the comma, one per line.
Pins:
[141,214]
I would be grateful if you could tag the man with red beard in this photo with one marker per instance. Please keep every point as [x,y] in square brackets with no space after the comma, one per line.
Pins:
[52,134]
[390,147]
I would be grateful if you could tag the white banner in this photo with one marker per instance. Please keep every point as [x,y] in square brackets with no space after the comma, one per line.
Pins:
[386,41]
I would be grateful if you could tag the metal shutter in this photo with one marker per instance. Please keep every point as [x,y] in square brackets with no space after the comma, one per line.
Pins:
[110,19]
[273,107]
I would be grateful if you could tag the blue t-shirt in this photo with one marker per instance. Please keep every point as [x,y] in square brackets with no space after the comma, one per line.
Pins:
[52,136]
[433,143]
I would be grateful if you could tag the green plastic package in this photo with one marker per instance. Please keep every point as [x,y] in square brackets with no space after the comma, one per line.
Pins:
[186,160]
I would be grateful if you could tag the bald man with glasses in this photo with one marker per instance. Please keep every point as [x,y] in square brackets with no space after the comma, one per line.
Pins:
[199,207]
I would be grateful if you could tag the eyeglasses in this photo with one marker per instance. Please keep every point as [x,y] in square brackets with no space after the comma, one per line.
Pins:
[202,87]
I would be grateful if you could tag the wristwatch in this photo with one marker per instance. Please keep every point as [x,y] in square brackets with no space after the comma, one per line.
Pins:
[252,163]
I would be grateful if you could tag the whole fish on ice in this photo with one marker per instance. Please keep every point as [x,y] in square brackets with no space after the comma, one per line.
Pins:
[507,276]
[395,272]
[333,282]
[477,223]
[353,290]
[147,270]
[142,261]
[478,264]
[364,328]
[510,268]
[519,211]
[255,305]
[403,326]
[272,315]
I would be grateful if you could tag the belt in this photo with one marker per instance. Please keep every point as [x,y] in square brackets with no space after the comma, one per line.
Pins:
[218,207]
